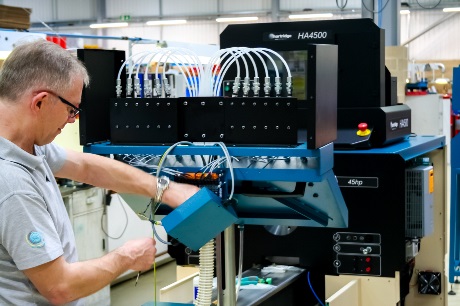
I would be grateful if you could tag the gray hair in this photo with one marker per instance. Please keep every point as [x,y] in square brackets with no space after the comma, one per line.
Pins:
[39,65]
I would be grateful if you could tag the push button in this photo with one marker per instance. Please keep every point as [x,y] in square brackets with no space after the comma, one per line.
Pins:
[363,130]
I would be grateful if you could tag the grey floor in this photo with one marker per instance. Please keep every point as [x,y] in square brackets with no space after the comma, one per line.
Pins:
[454,300]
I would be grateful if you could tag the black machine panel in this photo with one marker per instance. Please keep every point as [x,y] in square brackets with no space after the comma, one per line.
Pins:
[202,119]
[376,220]
[143,121]
[361,52]
[252,120]
[357,253]
[361,63]
[234,120]
[388,124]
[358,264]
[103,67]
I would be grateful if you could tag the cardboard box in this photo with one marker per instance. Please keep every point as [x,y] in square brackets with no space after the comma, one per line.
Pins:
[14,17]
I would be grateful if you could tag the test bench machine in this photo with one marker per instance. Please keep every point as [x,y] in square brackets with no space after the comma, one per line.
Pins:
[324,175]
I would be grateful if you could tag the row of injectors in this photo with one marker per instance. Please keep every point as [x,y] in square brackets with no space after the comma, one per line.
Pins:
[237,84]
[244,87]
[209,79]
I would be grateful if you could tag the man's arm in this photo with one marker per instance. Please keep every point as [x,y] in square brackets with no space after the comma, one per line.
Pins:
[114,175]
[61,282]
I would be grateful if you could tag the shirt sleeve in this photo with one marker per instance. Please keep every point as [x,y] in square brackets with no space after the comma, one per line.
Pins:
[55,156]
[27,231]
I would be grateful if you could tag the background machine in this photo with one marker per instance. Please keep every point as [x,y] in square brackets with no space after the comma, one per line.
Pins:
[321,175]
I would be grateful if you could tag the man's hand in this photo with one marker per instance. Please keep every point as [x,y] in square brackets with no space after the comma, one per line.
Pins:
[141,252]
[61,282]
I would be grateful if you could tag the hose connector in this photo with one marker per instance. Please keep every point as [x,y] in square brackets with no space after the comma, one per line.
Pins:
[246,87]
[267,86]
[236,86]
[118,88]
[289,86]
[147,88]
[278,86]
[157,92]
[256,86]
[137,88]
[129,87]
[167,88]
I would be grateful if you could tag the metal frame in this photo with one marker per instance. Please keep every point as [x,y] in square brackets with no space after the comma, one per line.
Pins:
[295,164]
[321,160]
[454,252]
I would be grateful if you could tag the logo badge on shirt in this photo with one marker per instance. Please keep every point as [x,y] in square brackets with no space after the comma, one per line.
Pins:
[35,239]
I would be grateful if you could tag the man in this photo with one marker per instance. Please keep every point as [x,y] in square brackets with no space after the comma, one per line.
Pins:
[40,91]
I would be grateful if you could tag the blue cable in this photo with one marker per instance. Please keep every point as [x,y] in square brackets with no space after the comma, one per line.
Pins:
[312,290]
[157,236]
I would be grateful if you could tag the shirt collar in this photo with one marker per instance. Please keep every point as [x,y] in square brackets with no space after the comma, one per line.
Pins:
[11,152]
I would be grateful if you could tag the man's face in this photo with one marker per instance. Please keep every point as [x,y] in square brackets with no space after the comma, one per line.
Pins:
[62,108]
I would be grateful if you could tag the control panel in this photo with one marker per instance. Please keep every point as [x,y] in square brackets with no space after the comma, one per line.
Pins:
[357,253]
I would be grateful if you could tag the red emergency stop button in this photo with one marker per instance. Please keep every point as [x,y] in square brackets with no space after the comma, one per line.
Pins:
[362,126]
[363,130]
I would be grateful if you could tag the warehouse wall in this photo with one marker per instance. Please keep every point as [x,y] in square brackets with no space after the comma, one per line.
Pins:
[53,10]
[440,43]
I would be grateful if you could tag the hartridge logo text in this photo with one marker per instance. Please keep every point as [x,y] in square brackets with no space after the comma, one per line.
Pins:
[394,125]
[279,36]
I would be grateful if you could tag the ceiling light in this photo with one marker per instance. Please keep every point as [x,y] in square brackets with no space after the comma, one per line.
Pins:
[4,55]
[308,16]
[404,12]
[451,9]
[237,19]
[442,81]
[165,22]
[108,25]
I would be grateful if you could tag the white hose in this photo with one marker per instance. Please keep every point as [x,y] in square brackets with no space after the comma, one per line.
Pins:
[288,70]
[206,274]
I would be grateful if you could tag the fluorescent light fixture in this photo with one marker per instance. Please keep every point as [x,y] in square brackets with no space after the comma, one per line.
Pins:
[404,12]
[165,22]
[442,81]
[237,19]
[108,25]
[451,9]
[180,60]
[4,54]
[308,16]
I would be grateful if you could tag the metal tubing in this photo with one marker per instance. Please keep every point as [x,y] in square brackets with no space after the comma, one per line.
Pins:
[230,273]
[220,293]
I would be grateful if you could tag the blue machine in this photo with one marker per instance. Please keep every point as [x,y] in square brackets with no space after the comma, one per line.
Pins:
[199,219]
[297,164]
[350,224]
[454,253]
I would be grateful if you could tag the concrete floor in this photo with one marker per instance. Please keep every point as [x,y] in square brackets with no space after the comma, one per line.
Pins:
[454,300]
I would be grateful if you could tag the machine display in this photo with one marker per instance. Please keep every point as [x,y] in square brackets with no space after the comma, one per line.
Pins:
[276,124]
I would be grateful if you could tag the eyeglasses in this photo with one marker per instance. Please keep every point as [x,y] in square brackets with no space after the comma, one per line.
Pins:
[74,111]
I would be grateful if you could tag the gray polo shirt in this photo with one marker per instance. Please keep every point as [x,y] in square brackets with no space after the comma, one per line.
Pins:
[34,224]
